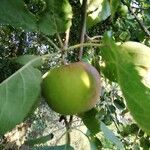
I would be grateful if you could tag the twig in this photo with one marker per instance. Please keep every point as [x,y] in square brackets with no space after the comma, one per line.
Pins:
[113,119]
[62,49]
[84,45]
[95,39]
[65,45]
[81,132]
[141,24]
[60,41]
[83,26]
[60,137]
[57,33]
[52,43]
[67,39]
[136,137]
[68,128]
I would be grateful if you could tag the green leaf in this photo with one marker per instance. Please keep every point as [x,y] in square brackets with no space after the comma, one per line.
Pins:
[55,18]
[95,143]
[111,136]
[27,58]
[114,6]
[98,10]
[105,13]
[109,70]
[18,96]
[62,147]
[91,121]
[136,94]
[145,143]
[15,14]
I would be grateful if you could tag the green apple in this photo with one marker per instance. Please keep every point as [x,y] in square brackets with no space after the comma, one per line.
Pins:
[123,10]
[71,89]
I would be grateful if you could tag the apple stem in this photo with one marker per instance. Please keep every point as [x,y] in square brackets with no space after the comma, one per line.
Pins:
[68,127]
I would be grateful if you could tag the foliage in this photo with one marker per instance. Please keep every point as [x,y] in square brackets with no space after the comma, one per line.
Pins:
[36,35]
[48,20]
[23,100]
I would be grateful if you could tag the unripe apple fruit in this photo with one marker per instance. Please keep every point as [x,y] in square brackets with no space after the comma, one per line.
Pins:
[71,89]
[123,10]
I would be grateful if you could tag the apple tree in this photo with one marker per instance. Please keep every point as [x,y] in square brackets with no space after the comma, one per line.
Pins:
[52,36]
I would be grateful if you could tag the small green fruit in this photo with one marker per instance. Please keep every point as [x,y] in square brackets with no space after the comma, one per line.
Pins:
[123,10]
[71,89]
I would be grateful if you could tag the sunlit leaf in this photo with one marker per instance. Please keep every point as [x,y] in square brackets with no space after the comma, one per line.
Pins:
[136,94]
[98,10]
[56,18]
[91,121]
[114,5]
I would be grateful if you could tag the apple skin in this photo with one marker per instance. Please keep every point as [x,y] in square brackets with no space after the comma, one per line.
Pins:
[71,89]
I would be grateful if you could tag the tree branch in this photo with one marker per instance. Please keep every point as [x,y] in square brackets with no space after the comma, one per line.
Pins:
[67,39]
[83,26]
[65,45]
[84,45]
[60,41]
[68,127]
[141,24]
[51,42]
